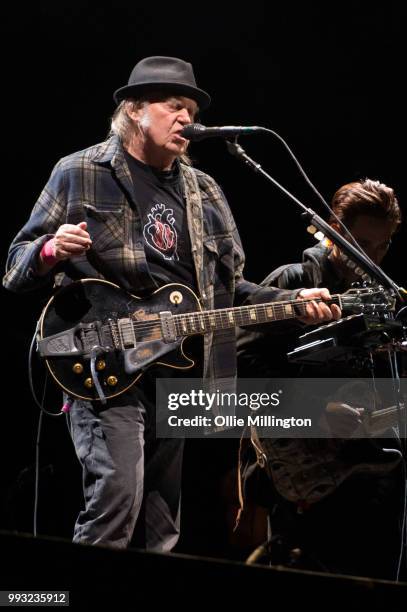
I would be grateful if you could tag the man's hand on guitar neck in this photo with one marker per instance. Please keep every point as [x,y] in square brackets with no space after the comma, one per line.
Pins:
[318,311]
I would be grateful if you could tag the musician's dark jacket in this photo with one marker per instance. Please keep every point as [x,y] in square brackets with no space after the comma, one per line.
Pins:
[95,186]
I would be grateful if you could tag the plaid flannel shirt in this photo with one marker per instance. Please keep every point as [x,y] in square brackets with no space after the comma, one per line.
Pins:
[95,186]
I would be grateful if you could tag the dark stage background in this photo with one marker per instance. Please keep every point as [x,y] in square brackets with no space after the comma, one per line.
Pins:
[327,77]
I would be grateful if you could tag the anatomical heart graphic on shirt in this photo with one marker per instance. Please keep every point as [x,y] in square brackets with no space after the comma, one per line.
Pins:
[160,232]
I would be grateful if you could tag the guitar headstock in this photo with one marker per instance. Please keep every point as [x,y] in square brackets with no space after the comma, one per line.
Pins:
[368,300]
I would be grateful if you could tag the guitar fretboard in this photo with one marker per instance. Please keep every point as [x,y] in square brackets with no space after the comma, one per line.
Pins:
[387,417]
[205,321]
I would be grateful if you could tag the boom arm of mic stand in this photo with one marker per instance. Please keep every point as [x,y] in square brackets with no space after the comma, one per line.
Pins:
[371,269]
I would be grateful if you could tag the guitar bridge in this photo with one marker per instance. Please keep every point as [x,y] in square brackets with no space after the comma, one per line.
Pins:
[168,326]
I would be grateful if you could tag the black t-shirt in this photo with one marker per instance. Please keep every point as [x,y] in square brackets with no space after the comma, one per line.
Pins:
[167,243]
[161,205]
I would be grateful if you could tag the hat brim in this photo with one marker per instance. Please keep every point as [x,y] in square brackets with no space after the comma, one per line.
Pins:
[129,91]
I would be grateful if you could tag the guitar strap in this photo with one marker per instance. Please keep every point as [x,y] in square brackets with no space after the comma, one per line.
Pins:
[101,265]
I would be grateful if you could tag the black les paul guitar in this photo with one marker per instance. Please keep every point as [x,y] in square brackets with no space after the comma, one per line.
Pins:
[98,339]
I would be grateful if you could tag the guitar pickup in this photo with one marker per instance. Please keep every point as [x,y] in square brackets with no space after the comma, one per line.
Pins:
[126,333]
[168,326]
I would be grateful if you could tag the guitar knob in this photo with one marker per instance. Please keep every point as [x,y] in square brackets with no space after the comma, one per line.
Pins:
[112,381]
[100,365]
[175,297]
[88,383]
[77,368]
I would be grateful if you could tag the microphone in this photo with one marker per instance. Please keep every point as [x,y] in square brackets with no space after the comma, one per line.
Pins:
[196,131]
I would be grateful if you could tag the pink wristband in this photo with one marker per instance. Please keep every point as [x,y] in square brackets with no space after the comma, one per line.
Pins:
[47,253]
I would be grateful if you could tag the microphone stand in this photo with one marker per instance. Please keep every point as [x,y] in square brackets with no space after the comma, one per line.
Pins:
[367,267]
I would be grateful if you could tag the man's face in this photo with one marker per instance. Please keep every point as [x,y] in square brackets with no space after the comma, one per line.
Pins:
[373,235]
[162,120]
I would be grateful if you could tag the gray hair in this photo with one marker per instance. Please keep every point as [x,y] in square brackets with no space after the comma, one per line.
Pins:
[121,123]
[123,126]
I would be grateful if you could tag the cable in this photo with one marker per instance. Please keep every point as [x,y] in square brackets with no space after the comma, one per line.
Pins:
[40,405]
[402,433]
[30,377]
[397,392]
[325,203]
[403,547]
[37,461]
[315,190]
[400,311]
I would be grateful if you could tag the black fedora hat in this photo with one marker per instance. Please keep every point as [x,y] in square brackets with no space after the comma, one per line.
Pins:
[164,73]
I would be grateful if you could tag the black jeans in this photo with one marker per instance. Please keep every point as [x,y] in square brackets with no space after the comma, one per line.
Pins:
[126,469]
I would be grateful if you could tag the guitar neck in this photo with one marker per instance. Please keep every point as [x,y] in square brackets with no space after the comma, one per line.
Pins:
[211,320]
[382,419]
